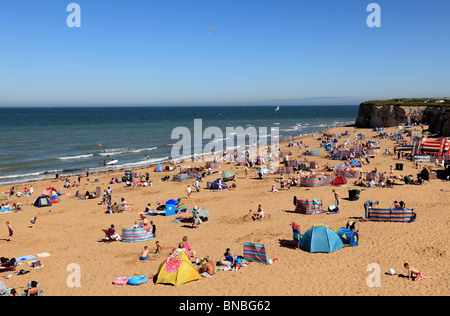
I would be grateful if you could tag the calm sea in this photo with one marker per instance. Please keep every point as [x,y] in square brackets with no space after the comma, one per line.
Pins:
[38,143]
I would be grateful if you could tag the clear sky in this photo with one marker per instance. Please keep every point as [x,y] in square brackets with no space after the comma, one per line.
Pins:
[280,52]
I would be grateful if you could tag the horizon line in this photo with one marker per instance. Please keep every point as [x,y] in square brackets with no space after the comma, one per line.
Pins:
[171,105]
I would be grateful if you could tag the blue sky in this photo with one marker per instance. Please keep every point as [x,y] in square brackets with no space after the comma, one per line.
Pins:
[274,52]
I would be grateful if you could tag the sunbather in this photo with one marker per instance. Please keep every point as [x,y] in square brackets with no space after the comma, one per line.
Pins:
[229,259]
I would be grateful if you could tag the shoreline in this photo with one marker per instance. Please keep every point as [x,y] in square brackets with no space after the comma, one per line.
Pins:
[132,165]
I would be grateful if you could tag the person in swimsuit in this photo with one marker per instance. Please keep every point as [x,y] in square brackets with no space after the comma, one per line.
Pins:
[207,269]
[144,255]
[229,259]
[417,274]
[34,289]
[10,231]
[158,248]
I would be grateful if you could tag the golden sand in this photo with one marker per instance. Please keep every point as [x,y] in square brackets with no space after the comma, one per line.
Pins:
[71,232]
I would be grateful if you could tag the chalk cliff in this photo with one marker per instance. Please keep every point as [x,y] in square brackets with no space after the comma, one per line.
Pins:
[393,112]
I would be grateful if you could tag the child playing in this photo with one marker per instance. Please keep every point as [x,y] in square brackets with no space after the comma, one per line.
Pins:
[144,255]
[187,246]
[414,272]
[158,249]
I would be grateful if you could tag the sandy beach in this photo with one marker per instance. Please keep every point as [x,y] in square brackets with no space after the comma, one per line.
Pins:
[71,232]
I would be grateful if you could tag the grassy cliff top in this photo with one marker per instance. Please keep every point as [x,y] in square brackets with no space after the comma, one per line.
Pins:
[411,102]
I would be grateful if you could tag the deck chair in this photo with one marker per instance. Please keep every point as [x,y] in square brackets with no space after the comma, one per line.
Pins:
[256,252]
[108,236]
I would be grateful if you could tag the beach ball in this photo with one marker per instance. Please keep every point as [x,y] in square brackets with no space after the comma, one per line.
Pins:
[391,271]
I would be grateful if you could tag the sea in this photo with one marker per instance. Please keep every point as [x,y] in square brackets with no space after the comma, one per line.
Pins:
[42,142]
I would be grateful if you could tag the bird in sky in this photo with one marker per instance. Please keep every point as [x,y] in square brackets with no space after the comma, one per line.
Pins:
[210,29]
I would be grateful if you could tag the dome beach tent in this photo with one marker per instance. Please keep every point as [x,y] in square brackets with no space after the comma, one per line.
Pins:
[54,199]
[177,270]
[218,184]
[339,180]
[349,237]
[321,238]
[158,168]
[42,201]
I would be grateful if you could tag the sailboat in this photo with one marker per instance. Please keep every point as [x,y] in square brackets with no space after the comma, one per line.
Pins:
[277,108]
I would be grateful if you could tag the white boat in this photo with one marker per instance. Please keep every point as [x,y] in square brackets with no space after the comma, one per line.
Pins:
[277,108]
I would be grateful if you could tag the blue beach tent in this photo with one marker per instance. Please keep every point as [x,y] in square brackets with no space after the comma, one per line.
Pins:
[158,168]
[217,184]
[349,237]
[42,201]
[321,238]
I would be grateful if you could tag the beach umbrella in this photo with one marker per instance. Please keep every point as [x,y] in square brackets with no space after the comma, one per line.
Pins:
[202,212]
[228,175]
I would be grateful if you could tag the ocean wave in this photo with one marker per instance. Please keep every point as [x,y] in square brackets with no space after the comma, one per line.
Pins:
[291,129]
[120,151]
[25,175]
[75,157]
[141,163]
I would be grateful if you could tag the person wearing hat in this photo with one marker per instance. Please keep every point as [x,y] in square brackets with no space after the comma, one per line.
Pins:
[196,217]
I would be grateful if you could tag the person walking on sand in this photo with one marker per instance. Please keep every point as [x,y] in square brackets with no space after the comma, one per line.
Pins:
[414,273]
[337,202]
[188,190]
[10,231]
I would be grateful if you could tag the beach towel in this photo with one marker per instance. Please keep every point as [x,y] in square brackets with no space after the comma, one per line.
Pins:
[172,265]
